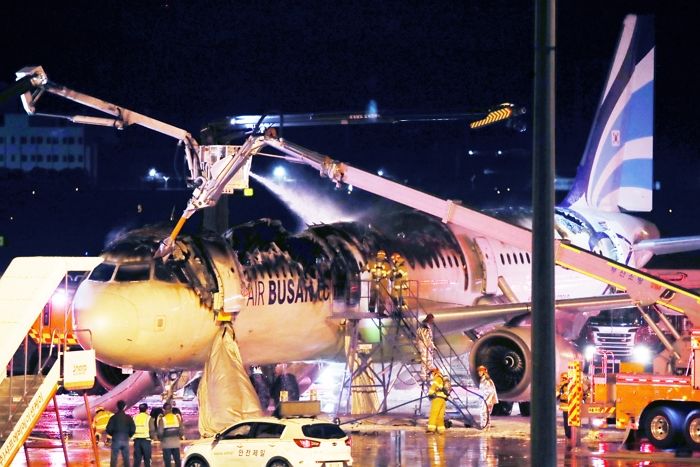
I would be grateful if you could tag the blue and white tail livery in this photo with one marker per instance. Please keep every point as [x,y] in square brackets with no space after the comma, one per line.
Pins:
[616,169]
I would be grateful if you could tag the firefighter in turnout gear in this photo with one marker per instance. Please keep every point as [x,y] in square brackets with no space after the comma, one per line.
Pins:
[399,281]
[99,424]
[426,346]
[439,389]
[145,432]
[170,430]
[380,268]
[488,390]
[563,396]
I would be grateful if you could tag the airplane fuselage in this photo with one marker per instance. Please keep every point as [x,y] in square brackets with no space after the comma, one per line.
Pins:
[147,315]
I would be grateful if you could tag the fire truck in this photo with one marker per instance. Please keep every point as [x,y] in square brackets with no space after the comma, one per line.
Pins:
[664,409]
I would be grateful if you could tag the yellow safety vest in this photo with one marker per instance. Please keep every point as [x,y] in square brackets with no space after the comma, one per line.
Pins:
[142,430]
[170,420]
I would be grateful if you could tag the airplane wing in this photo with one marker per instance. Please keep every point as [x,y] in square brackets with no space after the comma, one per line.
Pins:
[454,318]
[665,246]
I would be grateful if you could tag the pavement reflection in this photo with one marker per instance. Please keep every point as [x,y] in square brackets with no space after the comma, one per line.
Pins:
[380,441]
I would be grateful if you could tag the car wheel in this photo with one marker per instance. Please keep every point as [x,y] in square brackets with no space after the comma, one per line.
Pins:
[691,430]
[278,463]
[196,462]
[663,427]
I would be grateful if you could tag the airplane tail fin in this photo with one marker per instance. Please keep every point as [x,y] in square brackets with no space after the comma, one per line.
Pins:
[616,169]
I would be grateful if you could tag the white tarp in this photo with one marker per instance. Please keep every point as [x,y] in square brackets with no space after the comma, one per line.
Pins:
[225,392]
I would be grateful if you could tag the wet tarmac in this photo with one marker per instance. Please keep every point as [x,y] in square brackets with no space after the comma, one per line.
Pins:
[388,440]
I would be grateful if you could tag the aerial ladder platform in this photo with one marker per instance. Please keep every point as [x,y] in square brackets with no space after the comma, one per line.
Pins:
[25,287]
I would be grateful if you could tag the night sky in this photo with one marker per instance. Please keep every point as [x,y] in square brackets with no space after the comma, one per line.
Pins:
[190,63]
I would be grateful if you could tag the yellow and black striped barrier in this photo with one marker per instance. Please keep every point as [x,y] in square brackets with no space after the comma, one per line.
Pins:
[493,116]
[575,391]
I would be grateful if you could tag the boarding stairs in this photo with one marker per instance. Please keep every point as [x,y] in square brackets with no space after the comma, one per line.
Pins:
[391,355]
[26,389]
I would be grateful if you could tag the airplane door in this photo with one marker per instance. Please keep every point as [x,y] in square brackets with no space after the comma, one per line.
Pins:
[488,264]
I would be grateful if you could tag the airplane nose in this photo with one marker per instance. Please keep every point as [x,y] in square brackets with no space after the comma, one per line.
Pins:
[112,321]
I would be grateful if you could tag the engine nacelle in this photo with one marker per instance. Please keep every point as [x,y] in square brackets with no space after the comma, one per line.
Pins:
[506,352]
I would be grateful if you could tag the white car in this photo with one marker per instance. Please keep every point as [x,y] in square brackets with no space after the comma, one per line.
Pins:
[273,442]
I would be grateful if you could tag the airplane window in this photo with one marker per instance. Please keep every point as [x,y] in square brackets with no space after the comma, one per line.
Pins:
[102,273]
[508,257]
[503,260]
[132,272]
[163,273]
[527,255]
[449,260]
[444,264]
[522,260]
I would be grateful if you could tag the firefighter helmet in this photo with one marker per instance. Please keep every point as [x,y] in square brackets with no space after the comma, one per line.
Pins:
[396,258]
[381,254]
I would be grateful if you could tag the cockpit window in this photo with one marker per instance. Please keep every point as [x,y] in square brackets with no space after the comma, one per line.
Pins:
[132,272]
[102,273]
[163,273]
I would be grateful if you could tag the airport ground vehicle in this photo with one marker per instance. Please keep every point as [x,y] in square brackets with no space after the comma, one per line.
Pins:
[275,442]
[665,409]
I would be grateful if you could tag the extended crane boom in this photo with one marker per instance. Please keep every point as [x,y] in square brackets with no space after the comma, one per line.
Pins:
[212,168]
[642,288]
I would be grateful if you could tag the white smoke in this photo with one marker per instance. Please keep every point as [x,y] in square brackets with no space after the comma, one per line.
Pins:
[309,205]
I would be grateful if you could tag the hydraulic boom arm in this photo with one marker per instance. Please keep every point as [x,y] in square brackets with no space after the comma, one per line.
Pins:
[643,289]
[123,117]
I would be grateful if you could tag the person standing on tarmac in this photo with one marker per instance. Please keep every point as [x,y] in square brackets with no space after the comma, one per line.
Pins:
[120,427]
[145,432]
[488,390]
[439,389]
[99,423]
[170,430]
[426,346]
[563,396]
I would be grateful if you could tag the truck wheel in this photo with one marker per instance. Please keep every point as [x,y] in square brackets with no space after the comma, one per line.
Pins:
[663,427]
[691,430]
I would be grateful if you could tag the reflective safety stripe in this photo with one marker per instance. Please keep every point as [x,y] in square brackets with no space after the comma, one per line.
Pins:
[141,421]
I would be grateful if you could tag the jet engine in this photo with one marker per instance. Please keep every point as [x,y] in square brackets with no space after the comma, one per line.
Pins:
[506,352]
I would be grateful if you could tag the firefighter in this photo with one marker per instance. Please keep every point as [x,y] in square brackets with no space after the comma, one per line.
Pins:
[563,396]
[439,389]
[170,431]
[426,346]
[380,269]
[488,390]
[399,281]
[99,425]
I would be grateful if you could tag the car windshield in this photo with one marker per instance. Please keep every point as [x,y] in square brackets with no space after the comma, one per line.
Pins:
[323,431]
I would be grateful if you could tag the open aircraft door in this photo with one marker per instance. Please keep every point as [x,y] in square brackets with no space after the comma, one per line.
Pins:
[488,261]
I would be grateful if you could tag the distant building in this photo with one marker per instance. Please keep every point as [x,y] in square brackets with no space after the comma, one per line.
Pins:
[28,143]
